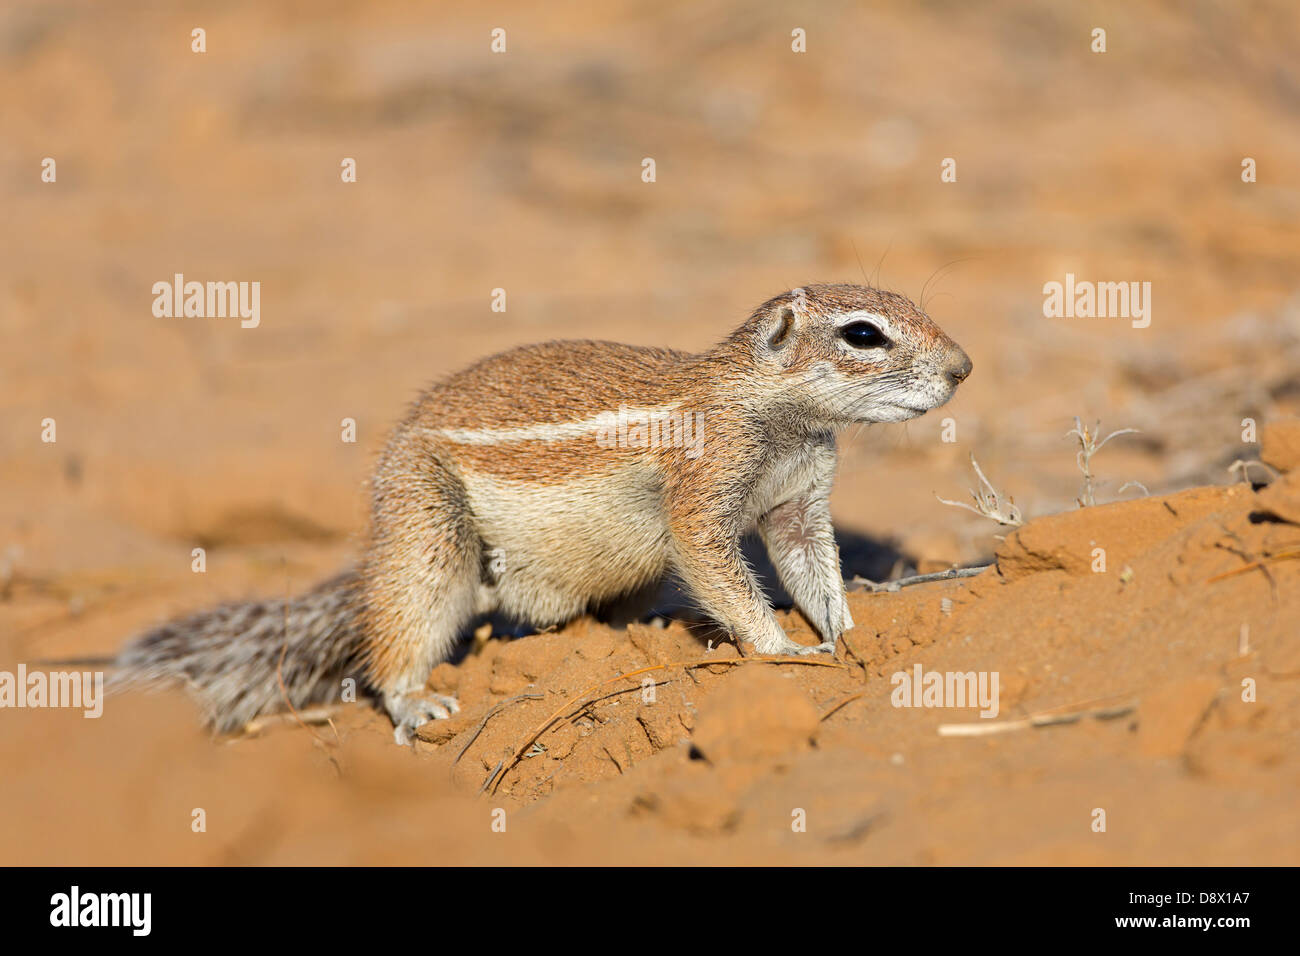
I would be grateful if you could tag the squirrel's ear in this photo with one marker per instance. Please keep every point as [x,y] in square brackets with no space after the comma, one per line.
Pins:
[780,329]
[781,324]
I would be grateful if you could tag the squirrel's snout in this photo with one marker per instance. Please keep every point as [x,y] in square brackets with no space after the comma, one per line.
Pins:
[958,366]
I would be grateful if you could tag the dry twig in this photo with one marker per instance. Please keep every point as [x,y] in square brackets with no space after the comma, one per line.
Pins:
[1046,718]
[499,772]
[900,583]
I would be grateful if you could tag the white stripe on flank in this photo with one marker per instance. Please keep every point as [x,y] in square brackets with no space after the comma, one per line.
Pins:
[551,431]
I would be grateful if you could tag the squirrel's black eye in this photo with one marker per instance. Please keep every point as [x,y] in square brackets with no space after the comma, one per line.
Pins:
[864,335]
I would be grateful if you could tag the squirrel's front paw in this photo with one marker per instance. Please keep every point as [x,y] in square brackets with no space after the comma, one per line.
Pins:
[827,647]
[410,711]
[789,648]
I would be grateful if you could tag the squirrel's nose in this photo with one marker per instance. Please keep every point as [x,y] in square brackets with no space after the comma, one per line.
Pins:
[959,366]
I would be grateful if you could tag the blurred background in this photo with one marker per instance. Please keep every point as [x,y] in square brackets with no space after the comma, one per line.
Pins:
[522,171]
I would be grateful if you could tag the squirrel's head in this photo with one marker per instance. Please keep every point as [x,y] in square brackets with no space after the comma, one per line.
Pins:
[850,353]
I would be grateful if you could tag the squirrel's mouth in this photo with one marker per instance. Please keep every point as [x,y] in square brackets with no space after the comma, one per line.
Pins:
[889,414]
[870,402]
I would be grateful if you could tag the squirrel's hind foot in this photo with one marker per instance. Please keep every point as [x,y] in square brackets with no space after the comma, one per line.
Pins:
[410,711]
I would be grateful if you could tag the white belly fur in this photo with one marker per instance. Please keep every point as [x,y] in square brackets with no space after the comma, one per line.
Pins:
[558,549]
[789,475]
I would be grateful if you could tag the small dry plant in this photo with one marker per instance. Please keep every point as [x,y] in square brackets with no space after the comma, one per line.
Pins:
[989,502]
[1241,467]
[1089,446]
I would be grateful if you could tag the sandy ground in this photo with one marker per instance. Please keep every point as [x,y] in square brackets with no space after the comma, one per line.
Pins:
[522,171]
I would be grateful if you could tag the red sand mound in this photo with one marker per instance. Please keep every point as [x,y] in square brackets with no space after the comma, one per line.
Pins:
[1163,690]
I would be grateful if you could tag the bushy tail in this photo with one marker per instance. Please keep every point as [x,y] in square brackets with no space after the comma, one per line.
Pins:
[230,656]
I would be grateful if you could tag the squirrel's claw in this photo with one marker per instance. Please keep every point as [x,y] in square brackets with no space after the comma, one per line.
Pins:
[410,712]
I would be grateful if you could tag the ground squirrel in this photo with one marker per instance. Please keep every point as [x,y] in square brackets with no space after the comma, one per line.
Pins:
[551,478]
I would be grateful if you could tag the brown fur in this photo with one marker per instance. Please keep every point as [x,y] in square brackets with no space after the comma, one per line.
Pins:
[500,490]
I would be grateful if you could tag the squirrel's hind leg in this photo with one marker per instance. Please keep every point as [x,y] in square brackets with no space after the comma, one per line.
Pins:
[422,582]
